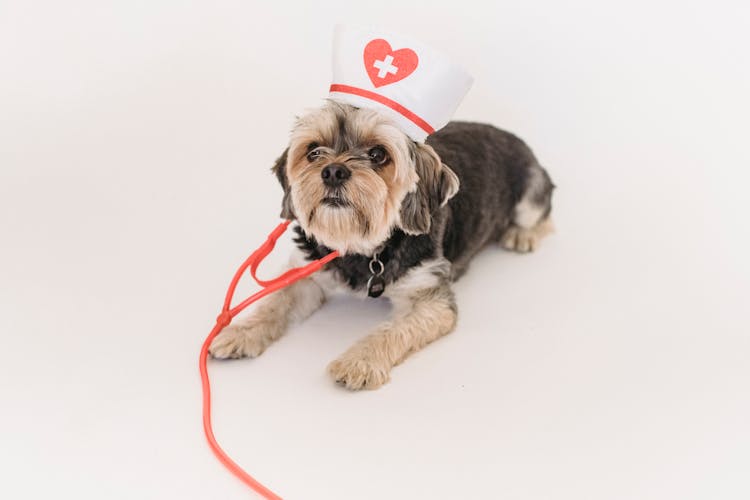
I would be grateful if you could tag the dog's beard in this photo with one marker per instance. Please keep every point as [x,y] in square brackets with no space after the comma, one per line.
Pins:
[353,218]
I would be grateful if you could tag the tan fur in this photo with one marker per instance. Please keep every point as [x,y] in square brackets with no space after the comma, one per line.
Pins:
[419,318]
[249,337]
[437,184]
[375,195]
[522,239]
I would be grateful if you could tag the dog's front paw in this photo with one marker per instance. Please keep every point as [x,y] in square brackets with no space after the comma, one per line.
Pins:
[244,341]
[358,369]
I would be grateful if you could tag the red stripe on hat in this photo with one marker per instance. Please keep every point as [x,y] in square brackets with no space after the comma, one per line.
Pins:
[419,122]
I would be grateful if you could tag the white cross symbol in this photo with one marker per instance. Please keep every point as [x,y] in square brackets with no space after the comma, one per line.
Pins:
[384,67]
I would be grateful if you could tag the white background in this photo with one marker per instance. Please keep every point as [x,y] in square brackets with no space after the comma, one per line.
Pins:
[135,143]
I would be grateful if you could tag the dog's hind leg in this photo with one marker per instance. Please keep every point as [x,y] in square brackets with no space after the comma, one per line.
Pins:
[531,215]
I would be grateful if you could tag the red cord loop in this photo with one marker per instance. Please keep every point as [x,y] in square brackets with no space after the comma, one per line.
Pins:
[225,318]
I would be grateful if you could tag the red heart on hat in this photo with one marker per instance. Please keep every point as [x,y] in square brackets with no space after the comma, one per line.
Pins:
[385,65]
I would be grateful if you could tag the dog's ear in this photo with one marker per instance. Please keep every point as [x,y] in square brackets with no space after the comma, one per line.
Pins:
[436,185]
[279,168]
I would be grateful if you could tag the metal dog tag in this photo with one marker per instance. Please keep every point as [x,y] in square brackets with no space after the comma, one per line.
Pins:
[375,286]
[376,283]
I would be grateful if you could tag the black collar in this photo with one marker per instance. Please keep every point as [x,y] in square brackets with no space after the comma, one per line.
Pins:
[398,254]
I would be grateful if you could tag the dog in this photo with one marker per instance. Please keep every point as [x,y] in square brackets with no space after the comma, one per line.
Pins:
[407,218]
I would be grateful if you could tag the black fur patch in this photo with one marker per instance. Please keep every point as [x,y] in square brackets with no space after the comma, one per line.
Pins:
[494,168]
[400,253]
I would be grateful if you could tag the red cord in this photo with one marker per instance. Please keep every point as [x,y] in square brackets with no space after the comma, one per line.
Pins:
[227,313]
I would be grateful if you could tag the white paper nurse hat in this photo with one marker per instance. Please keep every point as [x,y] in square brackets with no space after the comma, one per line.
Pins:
[416,86]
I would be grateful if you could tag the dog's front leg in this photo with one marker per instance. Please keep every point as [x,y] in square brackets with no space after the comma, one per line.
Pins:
[420,316]
[250,336]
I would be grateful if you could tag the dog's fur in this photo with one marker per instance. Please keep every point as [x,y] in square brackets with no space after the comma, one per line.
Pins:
[426,211]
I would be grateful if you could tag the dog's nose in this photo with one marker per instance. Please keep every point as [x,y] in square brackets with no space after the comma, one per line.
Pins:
[335,174]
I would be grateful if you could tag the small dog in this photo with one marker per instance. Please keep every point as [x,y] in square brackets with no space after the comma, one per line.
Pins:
[407,219]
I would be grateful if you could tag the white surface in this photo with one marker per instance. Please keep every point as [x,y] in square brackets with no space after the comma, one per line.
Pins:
[135,142]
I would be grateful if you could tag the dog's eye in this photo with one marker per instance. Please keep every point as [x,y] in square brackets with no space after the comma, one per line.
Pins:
[313,152]
[377,155]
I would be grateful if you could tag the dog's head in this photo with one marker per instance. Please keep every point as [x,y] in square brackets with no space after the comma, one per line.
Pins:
[350,176]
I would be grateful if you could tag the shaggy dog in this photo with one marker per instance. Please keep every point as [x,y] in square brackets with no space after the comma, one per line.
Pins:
[407,218]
